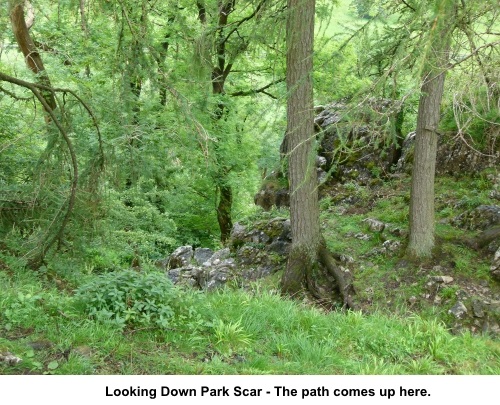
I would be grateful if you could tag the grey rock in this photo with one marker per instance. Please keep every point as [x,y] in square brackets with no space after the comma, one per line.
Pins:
[202,255]
[453,156]
[221,254]
[9,359]
[391,246]
[375,225]
[321,162]
[458,310]
[180,257]
[280,247]
[443,279]
[495,266]
[477,309]
[215,277]
[187,276]
[346,259]
[481,217]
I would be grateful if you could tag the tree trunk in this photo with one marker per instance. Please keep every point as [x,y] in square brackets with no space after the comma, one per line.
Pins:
[310,265]
[30,51]
[224,211]
[300,141]
[421,237]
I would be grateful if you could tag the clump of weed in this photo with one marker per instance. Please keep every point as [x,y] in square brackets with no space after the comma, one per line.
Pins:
[129,297]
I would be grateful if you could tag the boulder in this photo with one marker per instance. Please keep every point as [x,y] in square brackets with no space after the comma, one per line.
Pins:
[202,255]
[480,218]
[253,253]
[180,257]
[366,140]
[454,156]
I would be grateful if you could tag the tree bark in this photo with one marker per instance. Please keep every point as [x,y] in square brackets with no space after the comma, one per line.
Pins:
[224,211]
[29,49]
[421,239]
[300,141]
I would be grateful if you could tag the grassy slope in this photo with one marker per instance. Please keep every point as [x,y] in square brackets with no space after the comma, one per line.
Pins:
[259,332]
[254,332]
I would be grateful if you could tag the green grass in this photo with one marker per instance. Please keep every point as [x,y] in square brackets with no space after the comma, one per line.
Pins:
[254,332]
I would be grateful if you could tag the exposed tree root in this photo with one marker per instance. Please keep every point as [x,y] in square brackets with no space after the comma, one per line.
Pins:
[343,278]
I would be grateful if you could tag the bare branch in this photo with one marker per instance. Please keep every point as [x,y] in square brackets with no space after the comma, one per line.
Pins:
[249,17]
[473,53]
[13,95]
[259,90]
[407,5]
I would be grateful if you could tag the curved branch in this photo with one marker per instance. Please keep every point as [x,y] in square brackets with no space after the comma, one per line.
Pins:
[37,261]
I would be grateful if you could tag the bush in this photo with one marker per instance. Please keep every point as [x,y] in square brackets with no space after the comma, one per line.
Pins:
[127,297]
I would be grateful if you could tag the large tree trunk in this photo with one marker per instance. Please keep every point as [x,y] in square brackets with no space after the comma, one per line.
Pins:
[310,265]
[300,141]
[421,237]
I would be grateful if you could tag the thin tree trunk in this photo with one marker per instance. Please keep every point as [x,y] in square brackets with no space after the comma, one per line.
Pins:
[421,239]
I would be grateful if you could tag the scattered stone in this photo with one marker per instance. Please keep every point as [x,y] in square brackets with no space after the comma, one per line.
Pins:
[9,359]
[412,300]
[375,225]
[495,193]
[84,351]
[346,259]
[495,266]
[398,232]
[41,345]
[458,310]
[443,279]
[477,309]
[391,246]
[362,236]
[402,264]
[321,162]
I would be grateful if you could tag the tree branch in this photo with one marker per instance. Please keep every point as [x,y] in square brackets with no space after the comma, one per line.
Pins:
[249,17]
[13,95]
[475,52]
[407,5]
[259,90]
[37,261]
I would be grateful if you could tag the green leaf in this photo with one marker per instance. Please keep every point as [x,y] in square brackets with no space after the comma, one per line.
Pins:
[53,365]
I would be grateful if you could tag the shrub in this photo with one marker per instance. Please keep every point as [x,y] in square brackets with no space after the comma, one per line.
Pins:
[128,297]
